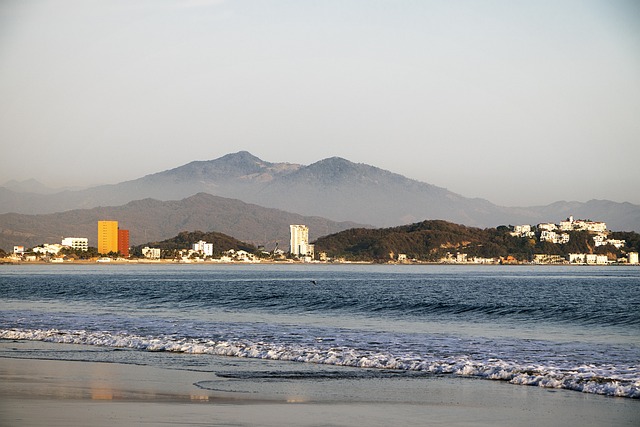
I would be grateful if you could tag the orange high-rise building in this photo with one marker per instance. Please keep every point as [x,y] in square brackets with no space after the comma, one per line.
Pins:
[123,242]
[108,237]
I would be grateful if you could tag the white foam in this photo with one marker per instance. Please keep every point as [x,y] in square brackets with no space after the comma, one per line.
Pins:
[604,380]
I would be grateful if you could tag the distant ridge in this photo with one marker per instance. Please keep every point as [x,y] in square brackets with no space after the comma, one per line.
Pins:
[154,220]
[333,188]
[33,186]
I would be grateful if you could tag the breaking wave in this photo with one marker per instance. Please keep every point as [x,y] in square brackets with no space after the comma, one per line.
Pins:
[603,380]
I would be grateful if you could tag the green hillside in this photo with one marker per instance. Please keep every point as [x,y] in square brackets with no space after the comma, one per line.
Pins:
[432,240]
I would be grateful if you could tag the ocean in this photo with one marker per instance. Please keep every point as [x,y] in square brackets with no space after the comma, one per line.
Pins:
[560,327]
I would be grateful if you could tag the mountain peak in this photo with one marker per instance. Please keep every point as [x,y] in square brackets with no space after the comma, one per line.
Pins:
[335,159]
[231,165]
[240,157]
[335,162]
[338,164]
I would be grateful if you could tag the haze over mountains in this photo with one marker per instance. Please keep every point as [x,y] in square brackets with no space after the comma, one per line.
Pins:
[153,220]
[332,188]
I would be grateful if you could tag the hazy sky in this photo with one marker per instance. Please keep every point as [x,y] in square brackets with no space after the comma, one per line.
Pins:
[518,102]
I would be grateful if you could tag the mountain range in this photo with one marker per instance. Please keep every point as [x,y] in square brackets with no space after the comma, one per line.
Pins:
[153,220]
[333,188]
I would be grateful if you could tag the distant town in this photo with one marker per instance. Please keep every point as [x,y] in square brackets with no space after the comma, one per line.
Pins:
[113,247]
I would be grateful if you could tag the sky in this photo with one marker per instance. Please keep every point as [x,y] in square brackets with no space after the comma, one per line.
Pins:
[519,102]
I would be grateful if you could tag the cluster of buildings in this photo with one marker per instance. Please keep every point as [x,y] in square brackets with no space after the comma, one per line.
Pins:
[559,233]
[552,233]
[201,251]
[114,240]
[462,258]
[51,250]
[111,240]
[586,259]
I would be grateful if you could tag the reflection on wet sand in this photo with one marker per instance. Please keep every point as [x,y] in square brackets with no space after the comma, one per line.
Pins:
[63,393]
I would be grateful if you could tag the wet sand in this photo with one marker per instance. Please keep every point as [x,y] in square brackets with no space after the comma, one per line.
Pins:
[36,392]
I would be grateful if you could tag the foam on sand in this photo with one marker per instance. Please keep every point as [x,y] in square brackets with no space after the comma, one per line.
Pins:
[603,380]
[65,393]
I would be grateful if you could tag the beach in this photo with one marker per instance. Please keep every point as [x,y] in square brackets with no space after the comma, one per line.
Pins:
[362,346]
[38,392]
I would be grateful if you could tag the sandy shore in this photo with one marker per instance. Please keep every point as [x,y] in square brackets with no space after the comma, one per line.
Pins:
[36,392]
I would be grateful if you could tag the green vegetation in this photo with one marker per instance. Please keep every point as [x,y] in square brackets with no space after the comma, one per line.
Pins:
[431,241]
[185,240]
[91,252]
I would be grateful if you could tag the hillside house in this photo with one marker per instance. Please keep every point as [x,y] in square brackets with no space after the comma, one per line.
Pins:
[553,237]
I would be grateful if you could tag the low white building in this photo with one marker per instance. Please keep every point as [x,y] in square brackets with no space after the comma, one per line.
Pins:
[591,259]
[547,226]
[582,225]
[596,227]
[240,256]
[567,225]
[553,237]
[480,260]
[18,250]
[600,239]
[48,249]
[461,258]
[633,258]
[151,253]
[577,258]
[548,259]
[617,243]
[597,259]
[78,243]
[522,231]
[548,236]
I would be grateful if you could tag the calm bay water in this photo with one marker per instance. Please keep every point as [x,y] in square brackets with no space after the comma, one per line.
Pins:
[561,327]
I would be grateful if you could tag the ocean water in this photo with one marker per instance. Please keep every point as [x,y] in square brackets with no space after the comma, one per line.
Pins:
[575,328]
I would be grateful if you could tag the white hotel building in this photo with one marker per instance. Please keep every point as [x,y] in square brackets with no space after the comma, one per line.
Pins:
[204,248]
[300,241]
[79,243]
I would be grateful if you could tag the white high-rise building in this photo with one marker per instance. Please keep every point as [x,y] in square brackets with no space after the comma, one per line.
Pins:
[204,248]
[299,240]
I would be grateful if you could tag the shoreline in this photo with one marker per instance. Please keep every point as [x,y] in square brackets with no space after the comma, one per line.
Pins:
[6,261]
[42,391]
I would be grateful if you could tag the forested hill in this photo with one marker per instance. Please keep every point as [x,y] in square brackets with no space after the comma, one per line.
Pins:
[432,240]
[185,240]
